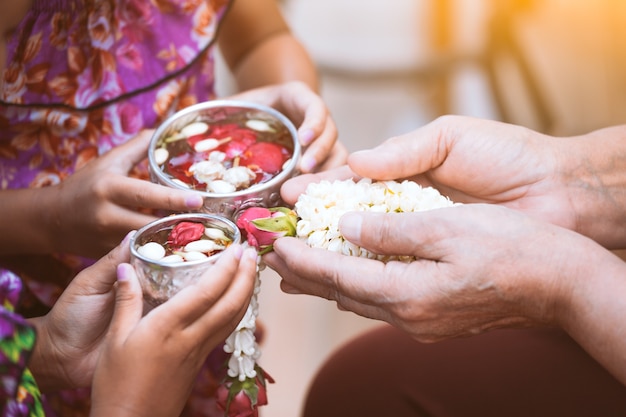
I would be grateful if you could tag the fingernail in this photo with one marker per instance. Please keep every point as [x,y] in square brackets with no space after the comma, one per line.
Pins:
[307,163]
[350,226]
[123,272]
[306,136]
[128,236]
[237,250]
[251,253]
[193,201]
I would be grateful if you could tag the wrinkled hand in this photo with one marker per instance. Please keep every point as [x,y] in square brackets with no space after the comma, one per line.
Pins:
[70,336]
[468,160]
[92,210]
[148,365]
[479,161]
[480,267]
[306,109]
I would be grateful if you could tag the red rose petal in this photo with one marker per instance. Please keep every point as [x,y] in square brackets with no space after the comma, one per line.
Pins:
[268,157]
[236,146]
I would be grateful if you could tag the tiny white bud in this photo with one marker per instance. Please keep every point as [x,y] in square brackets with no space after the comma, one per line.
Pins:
[192,129]
[152,250]
[220,187]
[202,245]
[239,177]
[217,156]
[179,182]
[173,259]
[206,145]
[259,125]
[161,155]
[193,256]
[215,233]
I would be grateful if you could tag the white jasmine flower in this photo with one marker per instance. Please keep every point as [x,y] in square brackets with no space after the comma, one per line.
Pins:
[217,156]
[220,187]
[323,204]
[241,344]
[241,367]
[207,171]
[240,176]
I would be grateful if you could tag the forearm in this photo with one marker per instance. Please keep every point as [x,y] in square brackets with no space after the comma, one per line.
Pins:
[259,48]
[25,221]
[278,59]
[593,172]
[595,312]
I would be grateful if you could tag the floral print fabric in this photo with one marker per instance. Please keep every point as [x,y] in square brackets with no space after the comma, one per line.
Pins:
[82,77]
[19,394]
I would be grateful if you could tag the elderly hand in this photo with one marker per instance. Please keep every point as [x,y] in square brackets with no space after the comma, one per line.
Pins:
[480,267]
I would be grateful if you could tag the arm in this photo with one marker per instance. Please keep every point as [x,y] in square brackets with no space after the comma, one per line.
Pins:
[260,49]
[596,310]
[592,171]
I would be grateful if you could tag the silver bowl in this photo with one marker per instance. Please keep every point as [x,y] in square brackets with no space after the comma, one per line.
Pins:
[266,194]
[161,280]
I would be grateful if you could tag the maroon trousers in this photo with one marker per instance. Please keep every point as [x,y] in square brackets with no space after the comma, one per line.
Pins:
[503,373]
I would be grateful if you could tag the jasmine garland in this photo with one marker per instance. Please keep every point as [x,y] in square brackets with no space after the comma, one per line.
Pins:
[322,205]
[317,212]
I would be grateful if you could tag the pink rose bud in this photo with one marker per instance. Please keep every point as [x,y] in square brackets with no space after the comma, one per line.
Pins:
[242,398]
[263,226]
[239,405]
[185,232]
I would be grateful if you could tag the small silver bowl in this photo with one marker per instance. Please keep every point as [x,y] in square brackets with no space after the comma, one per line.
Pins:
[264,194]
[161,280]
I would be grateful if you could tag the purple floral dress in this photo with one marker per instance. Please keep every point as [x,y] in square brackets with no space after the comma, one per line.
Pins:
[19,394]
[82,77]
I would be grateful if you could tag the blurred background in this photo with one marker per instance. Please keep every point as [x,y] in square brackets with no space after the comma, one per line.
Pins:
[556,66]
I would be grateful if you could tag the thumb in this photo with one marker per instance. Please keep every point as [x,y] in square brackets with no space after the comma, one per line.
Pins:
[128,301]
[411,234]
[402,156]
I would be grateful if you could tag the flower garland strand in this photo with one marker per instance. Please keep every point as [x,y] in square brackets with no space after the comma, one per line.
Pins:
[244,387]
